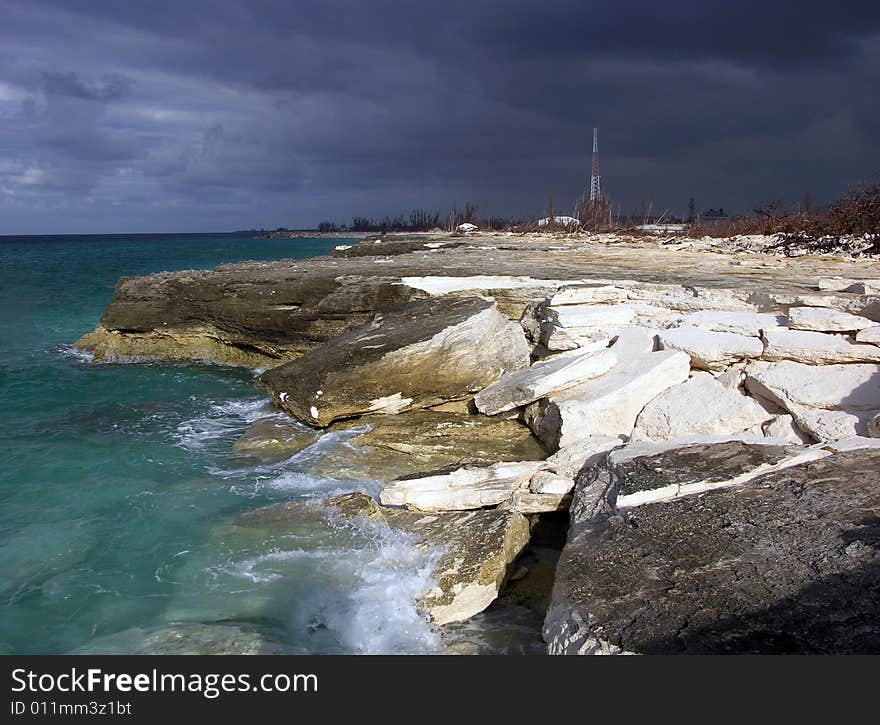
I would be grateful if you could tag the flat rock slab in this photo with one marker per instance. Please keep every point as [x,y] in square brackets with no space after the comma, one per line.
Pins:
[588,295]
[822,319]
[739,323]
[787,563]
[710,350]
[815,348]
[470,487]
[385,447]
[699,406]
[608,405]
[829,402]
[525,386]
[870,335]
[413,356]
[478,547]
[678,469]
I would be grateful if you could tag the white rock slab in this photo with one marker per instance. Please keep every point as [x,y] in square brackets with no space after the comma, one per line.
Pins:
[733,377]
[608,405]
[870,335]
[699,406]
[543,378]
[634,340]
[828,402]
[815,348]
[690,299]
[739,323]
[822,319]
[549,482]
[831,425]
[560,339]
[569,460]
[710,350]
[570,316]
[444,285]
[842,387]
[784,428]
[527,502]
[588,295]
[853,444]
[835,284]
[471,487]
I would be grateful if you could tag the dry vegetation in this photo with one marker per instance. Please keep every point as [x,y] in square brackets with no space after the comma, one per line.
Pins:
[846,224]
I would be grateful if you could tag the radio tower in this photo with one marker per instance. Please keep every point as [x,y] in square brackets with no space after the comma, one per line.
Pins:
[595,179]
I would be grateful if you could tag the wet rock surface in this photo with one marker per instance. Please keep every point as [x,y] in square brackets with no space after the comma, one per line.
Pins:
[474,548]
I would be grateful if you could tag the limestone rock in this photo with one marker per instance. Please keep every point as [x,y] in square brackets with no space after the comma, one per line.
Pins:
[830,425]
[634,340]
[739,323]
[733,377]
[548,482]
[835,284]
[530,502]
[699,406]
[827,401]
[691,298]
[780,563]
[228,637]
[870,335]
[588,295]
[685,469]
[567,461]
[274,437]
[521,387]
[822,319]
[385,447]
[253,313]
[470,487]
[609,405]
[710,350]
[416,355]
[578,316]
[478,548]
[568,327]
[784,427]
[815,348]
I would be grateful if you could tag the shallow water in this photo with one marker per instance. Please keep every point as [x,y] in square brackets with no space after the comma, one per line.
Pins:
[120,496]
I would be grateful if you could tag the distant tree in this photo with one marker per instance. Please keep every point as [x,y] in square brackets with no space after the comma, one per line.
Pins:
[807,205]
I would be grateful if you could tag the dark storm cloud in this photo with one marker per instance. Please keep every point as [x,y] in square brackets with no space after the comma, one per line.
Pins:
[104,90]
[229,113]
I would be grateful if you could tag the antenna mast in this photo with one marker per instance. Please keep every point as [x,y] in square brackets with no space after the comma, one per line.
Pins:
[595,179]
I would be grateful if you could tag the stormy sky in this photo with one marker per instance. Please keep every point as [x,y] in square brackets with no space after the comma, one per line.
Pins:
[232,114]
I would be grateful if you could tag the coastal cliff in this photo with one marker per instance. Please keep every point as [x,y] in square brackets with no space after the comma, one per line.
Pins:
[698,410]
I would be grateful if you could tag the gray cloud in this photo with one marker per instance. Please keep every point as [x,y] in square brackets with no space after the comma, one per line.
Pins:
[228,114]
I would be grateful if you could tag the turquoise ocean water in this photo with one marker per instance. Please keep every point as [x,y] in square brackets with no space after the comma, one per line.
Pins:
[120,497]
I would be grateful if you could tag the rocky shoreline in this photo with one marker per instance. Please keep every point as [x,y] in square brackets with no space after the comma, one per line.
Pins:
[706,414]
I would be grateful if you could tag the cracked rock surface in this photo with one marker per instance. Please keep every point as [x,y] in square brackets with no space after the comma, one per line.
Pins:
[786,563]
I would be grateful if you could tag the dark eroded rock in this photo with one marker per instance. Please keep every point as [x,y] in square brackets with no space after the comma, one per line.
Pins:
[412,356]
[274,438]
[788,562]
[418,441]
